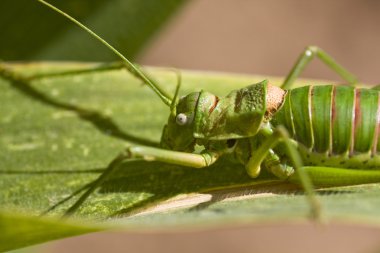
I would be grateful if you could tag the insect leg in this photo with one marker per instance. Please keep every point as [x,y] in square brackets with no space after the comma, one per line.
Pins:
[202,160]
[331,177]
[280,134]
[309,54]
[275,166]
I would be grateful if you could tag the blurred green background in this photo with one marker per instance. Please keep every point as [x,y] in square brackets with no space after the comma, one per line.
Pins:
[30,31]
[259,37]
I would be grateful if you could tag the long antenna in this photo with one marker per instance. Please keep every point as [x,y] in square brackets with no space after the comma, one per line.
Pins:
[129,65]
[175,98]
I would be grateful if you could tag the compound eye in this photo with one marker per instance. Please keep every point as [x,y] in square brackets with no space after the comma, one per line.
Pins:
[181,119]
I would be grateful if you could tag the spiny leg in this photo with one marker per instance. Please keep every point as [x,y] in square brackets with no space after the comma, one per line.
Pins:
[333,177]
[202,160]
[280,135]
[305,58]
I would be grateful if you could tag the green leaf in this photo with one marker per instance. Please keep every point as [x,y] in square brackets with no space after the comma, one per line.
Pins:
[29,30]
[59,134]
[19,230]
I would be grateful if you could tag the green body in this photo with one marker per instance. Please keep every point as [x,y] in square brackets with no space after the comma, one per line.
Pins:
[332,126]
[336,126]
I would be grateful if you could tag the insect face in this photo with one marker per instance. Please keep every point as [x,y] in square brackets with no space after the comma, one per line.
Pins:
[178,132]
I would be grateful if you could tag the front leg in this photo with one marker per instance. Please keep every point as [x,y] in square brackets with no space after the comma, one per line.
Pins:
[205,159]
[278,168]
[258,156]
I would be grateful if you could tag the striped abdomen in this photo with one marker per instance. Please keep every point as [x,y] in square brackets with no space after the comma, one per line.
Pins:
[332,119]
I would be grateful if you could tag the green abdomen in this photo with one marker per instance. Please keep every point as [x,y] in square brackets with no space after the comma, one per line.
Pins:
[337,121]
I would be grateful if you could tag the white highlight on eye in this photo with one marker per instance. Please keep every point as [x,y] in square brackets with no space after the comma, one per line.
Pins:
[308,53]
[181,119]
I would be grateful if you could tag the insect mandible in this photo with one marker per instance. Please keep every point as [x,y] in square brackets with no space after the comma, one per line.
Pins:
[332,130]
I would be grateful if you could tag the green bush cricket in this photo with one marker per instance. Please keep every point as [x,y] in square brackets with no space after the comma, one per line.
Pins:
[333,130]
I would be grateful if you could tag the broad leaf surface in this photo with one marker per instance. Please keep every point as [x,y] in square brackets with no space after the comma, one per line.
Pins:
[21,230]
[59,134]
